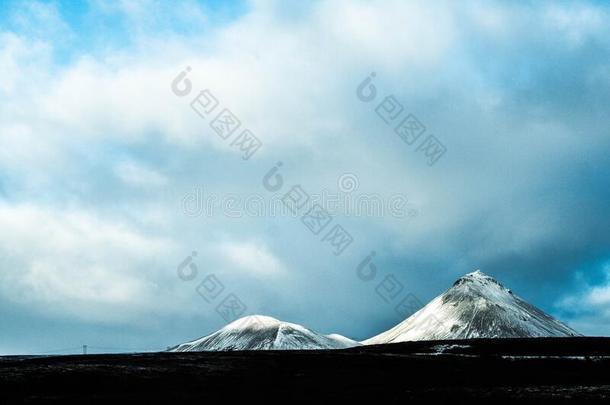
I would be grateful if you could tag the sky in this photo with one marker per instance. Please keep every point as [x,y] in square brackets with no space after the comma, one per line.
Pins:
[166,167]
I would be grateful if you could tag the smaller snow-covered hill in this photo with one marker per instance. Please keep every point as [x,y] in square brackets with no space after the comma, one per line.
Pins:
[258,332]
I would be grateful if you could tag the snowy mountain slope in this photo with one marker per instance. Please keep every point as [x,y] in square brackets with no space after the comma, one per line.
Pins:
[259,332]
[476,306]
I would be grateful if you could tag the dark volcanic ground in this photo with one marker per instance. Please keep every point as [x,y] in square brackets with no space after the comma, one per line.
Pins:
[470,371]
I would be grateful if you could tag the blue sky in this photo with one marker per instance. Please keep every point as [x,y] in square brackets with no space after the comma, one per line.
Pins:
[103,169]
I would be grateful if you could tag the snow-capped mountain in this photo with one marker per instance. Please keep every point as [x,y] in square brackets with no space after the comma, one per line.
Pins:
[258,332]
[476,306]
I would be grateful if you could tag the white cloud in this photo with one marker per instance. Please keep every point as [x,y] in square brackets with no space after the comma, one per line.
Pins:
[253,257]
[126,95]
[41,20]
[597,297]
[73,263]
[577,22]
[590,305]
[138,175]
[600,296]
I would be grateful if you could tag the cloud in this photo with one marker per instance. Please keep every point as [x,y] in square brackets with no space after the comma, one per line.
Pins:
[41,20]
[253,257]
[75,264]
[137,175]
[589,305]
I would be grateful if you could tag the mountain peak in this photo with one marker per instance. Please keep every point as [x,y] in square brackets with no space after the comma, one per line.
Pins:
[476,306]
[254,322]
[476,275]
[479,278]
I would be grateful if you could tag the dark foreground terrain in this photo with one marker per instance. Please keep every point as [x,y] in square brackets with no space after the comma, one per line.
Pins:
[475,371]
